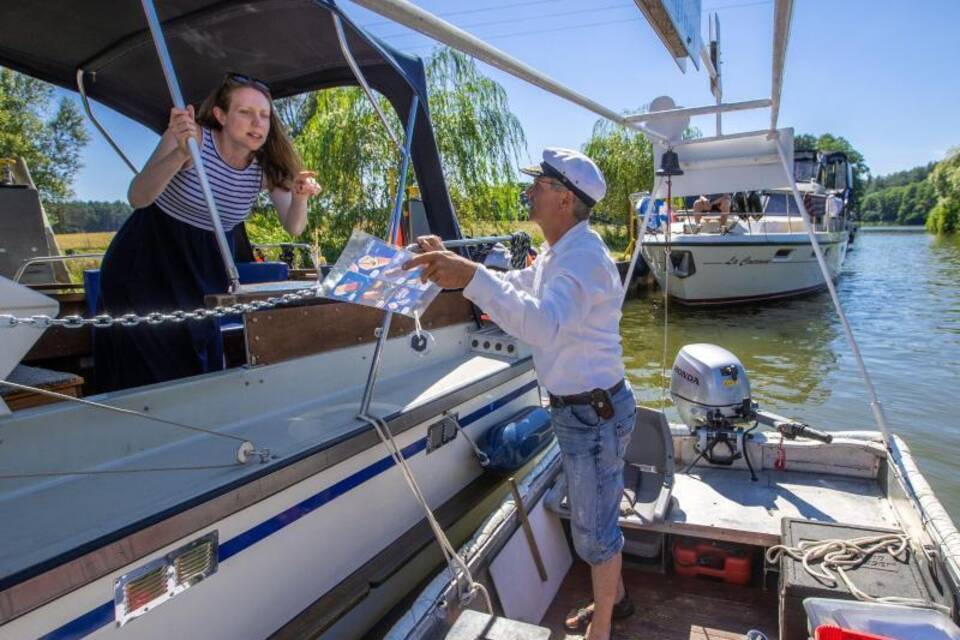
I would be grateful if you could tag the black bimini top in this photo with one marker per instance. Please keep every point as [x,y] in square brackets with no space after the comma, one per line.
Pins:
[291,45]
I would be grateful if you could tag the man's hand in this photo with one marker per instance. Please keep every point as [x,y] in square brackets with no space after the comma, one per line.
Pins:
[429,243]
[446,268]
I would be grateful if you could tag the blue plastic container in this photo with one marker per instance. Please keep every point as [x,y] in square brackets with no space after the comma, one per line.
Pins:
[91,290]
[513,443]
[256,272]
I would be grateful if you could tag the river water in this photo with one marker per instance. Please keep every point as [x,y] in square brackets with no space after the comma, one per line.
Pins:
[901,293]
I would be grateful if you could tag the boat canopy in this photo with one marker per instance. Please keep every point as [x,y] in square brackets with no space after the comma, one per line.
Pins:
[291,45]
[724,164]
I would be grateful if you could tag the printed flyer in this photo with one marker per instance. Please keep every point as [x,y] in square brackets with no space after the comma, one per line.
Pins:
[370,272]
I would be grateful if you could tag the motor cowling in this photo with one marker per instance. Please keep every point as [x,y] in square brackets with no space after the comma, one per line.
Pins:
[709,387]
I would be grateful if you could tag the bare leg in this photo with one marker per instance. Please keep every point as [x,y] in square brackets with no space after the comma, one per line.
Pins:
[607,591]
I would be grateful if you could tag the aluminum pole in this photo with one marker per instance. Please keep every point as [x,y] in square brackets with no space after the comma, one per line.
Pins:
[415,18]
[355,68]
[173,86]
[697,111]
[637,250]
[782,16]
[391,233]
[86,107]
[875,406]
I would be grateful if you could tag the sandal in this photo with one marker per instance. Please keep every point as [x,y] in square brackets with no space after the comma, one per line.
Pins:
[578,619]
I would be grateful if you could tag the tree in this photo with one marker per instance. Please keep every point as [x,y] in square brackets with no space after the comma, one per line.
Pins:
[625,157]
[51,147]
[945,217]
[340,136]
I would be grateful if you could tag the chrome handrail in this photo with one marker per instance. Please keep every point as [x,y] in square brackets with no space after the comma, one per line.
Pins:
[44,259]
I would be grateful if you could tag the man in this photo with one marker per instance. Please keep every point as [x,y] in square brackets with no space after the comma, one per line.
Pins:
[716,203]
[566,306]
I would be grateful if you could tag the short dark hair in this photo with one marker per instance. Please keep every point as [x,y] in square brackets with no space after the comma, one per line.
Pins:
[581,211]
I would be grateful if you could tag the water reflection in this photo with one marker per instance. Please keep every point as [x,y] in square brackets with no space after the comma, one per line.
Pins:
[784,346]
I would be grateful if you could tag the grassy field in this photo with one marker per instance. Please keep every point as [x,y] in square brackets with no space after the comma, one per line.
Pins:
[84,242]
[71,243]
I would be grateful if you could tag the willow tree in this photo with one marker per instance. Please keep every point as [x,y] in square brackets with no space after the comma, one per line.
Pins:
[625,157]
[480,140]
[340,136]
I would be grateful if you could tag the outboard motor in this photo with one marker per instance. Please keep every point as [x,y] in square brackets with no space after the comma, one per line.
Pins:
[710,389]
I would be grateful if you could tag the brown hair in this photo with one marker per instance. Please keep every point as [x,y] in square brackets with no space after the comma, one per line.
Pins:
[276,157]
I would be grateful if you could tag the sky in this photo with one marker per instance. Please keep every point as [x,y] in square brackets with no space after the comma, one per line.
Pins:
[881,73]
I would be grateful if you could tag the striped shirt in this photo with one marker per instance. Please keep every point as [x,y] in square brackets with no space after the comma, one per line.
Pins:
[234,190]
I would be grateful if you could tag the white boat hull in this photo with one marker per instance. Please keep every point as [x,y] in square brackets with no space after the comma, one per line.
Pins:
[289,543]
[736,269]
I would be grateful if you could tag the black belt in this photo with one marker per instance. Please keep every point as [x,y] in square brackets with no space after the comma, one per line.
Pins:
[558,402]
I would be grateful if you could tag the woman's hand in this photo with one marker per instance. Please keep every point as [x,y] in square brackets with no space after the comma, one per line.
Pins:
[183,125]
[304,186]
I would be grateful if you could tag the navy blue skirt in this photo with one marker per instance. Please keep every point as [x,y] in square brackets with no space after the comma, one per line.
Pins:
[157,263]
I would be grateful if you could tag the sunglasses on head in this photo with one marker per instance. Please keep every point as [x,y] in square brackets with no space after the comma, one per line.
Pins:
[239,78]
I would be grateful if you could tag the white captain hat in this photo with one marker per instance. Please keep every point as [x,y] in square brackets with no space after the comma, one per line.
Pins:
[574,170]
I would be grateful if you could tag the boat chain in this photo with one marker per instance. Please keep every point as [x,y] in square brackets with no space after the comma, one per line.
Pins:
[519,247]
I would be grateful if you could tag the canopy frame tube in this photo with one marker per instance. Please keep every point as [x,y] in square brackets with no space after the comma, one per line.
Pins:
[409,15]
[86,107]
[761,103]
[358,74]
[173,86]
[392,234]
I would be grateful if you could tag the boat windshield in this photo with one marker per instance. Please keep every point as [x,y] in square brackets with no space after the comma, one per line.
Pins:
[805,167]
[781,203]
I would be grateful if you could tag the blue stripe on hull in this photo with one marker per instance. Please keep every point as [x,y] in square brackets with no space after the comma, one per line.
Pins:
[104,614]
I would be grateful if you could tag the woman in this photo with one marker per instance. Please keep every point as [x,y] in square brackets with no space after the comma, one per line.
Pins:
[166,257]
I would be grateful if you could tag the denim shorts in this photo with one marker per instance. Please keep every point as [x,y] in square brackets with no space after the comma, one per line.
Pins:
[593,452]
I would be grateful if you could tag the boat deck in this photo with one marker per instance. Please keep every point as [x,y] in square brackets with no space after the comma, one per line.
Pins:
[724,504]
[670,607]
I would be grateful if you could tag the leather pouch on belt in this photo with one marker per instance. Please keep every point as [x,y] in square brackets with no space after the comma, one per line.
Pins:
[600,401]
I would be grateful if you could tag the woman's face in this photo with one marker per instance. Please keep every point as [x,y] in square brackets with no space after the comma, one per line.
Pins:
[247,122]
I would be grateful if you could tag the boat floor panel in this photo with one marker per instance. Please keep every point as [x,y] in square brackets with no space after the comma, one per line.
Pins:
[670,607]
[724,504]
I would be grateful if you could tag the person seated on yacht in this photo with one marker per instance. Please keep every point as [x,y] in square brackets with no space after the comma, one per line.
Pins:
[165,256]
[566,306]
[716,203]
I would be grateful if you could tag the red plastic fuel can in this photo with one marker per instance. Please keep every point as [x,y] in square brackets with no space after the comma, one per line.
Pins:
[728,563]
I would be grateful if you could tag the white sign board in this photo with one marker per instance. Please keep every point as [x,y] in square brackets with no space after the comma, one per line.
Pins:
[677,24]
[739,162]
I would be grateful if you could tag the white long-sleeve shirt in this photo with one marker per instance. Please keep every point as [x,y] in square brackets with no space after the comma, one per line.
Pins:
[566,306]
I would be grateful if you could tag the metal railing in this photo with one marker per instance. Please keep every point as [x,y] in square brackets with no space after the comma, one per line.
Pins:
[26,264]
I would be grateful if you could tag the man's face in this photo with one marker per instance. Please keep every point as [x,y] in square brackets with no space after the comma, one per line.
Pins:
[546,196]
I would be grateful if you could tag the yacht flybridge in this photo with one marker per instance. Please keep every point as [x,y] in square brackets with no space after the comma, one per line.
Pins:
[298,493]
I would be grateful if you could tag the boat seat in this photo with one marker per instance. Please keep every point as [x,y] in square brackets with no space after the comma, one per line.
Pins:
[648,473]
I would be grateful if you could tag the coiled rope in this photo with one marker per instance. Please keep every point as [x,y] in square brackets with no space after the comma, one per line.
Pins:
[836,557]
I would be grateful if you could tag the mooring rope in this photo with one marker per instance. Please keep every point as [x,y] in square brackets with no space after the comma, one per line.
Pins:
[453,559]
